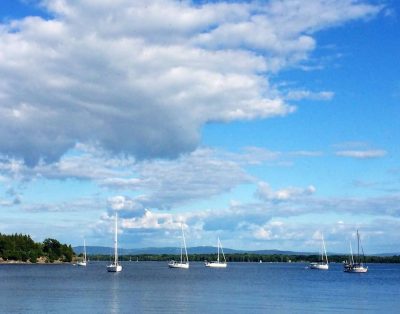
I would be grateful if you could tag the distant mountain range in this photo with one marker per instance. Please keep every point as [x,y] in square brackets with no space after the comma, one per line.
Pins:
[102,250]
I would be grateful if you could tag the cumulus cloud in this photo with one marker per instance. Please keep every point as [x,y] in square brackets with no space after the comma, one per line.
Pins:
[142,77]
[265,192]
[125,205]
[151,220]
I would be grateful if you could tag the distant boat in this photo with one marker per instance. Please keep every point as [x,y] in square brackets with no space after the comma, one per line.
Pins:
[84,261]
[217,263]
[356,266]
[115,266]
[323,264]
[184,263]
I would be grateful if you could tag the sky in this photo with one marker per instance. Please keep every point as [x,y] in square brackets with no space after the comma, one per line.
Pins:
[263,123]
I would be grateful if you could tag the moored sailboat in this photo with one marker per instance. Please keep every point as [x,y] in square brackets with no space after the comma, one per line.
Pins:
[218,263]
[115,266]
[184,263]
[356,266]
[323,264]
[84,261]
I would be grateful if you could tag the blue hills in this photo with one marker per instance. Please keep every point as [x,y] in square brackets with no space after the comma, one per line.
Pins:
[103,250]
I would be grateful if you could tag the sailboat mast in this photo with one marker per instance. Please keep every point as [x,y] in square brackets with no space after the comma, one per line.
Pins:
[181,246]
[358,247]
[116,239]
[181,255]
[323,244]
[351,252]
[218,249]
[84,250]
[184,244]
[222,250]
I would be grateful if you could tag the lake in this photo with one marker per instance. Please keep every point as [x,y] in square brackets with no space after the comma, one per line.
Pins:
[151,287]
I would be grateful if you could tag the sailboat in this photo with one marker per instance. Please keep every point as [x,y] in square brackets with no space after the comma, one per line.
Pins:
[115,266]
[323,264]
[84,261]
[184,263]
[356,266]
[217,263]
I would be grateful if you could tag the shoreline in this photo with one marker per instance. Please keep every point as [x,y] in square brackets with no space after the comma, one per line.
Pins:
[40,261]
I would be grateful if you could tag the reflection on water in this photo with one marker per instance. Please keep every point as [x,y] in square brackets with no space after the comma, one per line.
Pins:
[114,291]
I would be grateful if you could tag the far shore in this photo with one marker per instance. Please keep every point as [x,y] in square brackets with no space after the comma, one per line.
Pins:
[40,261]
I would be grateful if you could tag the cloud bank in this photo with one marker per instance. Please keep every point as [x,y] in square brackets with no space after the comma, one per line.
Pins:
[142,77]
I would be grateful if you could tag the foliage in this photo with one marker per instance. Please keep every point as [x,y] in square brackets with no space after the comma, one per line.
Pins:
[19,247]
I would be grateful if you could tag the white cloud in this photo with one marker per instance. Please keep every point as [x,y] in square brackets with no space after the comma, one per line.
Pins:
[141,78]
[306,153]
[152,220]
[167,183]
[265,192]
[163,184]
[362,154]
[305,94]
[125,205]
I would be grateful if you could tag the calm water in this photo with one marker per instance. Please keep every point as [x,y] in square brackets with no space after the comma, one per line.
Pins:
[151,287]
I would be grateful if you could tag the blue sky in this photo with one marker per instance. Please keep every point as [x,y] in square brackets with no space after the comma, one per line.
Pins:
[263,123]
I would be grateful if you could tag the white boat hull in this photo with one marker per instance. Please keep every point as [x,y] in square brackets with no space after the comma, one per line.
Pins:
[216,265]
[355,269]
[114,268]
[178,265]
[319,266]
[81,263]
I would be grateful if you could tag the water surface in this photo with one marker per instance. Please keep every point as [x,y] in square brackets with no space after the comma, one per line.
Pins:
[151,287]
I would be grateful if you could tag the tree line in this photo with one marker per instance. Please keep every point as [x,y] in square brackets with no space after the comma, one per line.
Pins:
[19,247]
[245,257]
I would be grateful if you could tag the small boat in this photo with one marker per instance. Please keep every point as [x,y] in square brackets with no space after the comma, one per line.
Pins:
[84,261]
[323,264]
[356,266]
[184,263]
[217,263]
[115,266]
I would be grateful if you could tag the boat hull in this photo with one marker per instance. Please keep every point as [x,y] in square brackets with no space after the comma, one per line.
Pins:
[81,263]
[355,269]
[178,265]
[215,265]
[114,268]
[319,266]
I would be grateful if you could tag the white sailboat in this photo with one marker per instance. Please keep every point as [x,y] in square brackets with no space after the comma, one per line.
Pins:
[356,266]
[323,264]
[184,263]
[217,263]
[84,261]
[115,266]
